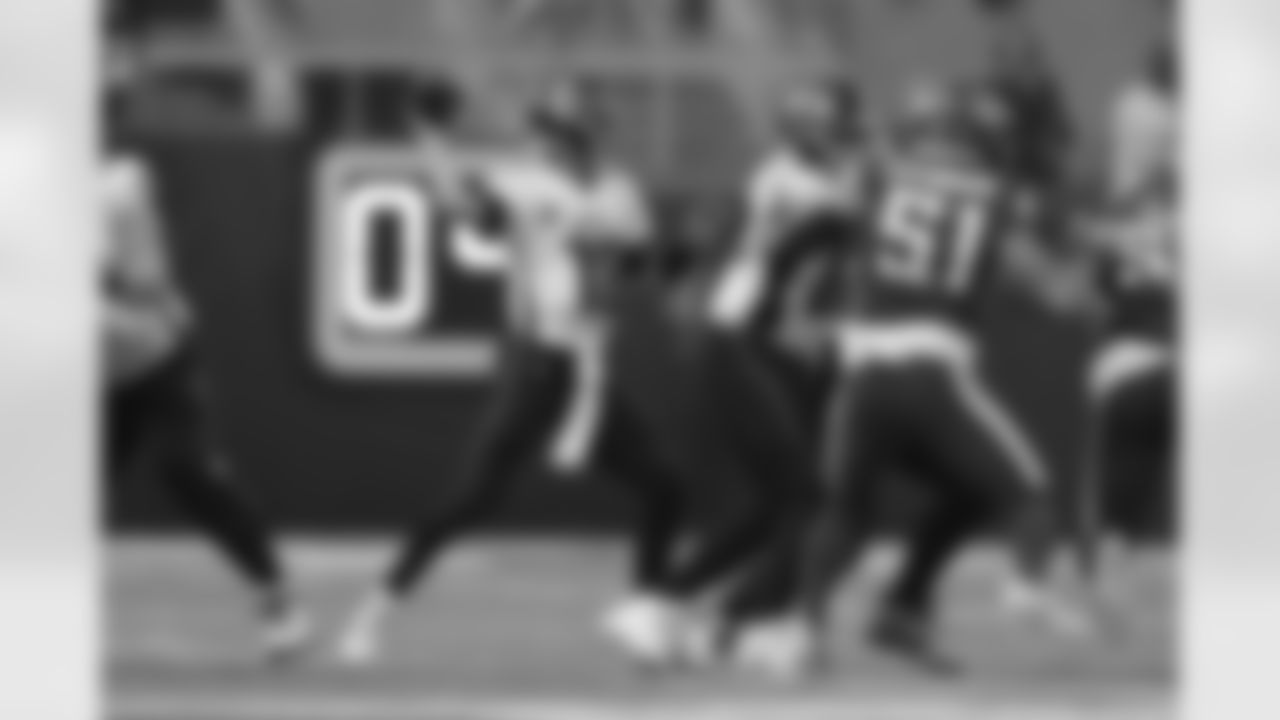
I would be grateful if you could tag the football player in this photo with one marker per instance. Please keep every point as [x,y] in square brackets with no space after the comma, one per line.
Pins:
[942,222]
[802,203]
[157,394]
[754,385]
[1129,456]
[547,203]
[1039,132]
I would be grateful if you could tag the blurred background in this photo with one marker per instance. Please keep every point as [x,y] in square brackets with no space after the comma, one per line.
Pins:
[244,97]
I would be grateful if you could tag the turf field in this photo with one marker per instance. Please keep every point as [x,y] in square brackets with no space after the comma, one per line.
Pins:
[507,632]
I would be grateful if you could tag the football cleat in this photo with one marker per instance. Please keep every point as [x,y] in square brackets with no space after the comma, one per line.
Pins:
[1037,604]
[360,642]
[910,638]
[646,628]
[287,636]
[785,650]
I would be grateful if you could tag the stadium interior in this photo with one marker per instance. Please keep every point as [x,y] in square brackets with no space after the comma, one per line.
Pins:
[240,96]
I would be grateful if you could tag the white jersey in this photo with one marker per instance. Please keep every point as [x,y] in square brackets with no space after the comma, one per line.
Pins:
[553,213]
[783,191]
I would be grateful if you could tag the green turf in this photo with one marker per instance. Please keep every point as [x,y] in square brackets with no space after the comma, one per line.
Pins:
[507,632]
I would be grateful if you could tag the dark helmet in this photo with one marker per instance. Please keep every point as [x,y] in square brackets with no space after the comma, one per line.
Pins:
[968,116]
[819,112]
[566,112]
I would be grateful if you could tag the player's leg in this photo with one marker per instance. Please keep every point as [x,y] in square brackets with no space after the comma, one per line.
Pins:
[905,622]
[531,389]
[986,466]
[1129,444]
[172,431]
[774,493]
[779,624]
[646,622]
[1151,429]
[1135,426]
[738,450]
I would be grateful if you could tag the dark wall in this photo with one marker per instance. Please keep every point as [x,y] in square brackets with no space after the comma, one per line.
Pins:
[326,452]
[322,452]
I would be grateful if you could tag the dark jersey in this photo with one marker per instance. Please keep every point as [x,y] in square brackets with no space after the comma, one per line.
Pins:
[804,275]
[933,235]
[1138,273]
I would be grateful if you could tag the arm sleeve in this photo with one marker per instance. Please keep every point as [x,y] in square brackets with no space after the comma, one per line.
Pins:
[740,287]
[767,212]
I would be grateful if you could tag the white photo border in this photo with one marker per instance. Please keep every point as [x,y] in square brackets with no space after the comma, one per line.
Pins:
[49,575]
[49,584]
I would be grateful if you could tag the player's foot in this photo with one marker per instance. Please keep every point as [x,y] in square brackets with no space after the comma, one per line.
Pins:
[647,629]
[701,641]
[360,642]
[910,637]
[785,649]
[1022,598]
[287,635]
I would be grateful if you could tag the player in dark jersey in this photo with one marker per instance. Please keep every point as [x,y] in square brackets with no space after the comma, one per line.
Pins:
[799,202]
[1130,446]
[157,416]
[1129,479]
[751,383]
[942,223]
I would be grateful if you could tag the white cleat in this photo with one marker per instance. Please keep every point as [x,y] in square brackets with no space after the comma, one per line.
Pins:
[1048,609]
[785,650]
[647,629]
[288,636]
[360,642]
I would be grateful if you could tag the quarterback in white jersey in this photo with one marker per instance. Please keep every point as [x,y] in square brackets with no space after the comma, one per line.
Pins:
[548,206]
[560,213]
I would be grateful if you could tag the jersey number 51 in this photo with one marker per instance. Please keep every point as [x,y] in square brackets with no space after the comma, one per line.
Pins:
[929,240]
